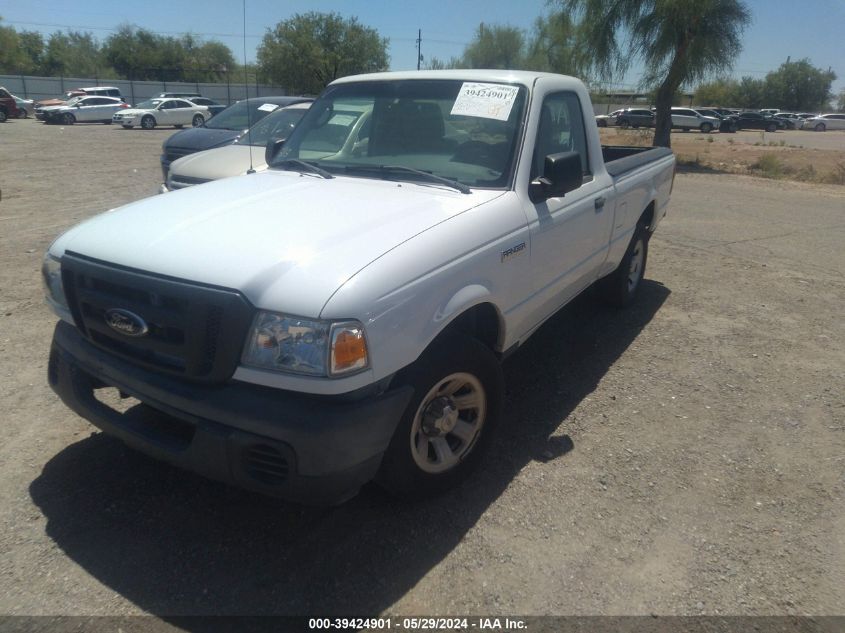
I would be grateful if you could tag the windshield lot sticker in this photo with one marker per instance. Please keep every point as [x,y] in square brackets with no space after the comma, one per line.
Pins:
[488,101]
[268,107]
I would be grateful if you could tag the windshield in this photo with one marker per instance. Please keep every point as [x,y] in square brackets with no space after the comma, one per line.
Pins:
[150,104]
[241,115]
[73,101]
[277,125]
[461,131]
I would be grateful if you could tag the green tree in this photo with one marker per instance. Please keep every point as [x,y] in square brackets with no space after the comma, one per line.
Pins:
[554,46]
[840,101]
[496,47]
[32,45]
[799,86]
[719,93]
[72,54]
[310,50]
[678,41]
[12,57]
[436,63]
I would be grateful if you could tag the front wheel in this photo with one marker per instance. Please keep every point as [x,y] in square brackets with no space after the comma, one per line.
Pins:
[771,127]
[820,127]
[68,118]
[148,122]
[624,124]
[458,388]
[620,287]
[22,114]
[198,120]
[2,116]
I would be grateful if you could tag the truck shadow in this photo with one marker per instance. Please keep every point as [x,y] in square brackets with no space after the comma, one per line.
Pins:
[174,543]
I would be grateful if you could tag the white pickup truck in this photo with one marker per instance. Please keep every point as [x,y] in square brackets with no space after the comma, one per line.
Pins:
[341,317]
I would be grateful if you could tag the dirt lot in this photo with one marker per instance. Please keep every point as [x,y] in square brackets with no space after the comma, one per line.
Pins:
[686,456]
[802,155]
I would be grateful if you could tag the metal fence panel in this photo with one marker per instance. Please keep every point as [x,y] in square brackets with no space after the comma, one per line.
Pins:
[28,87]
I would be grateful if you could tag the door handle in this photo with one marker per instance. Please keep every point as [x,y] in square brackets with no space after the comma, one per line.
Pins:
[599,204]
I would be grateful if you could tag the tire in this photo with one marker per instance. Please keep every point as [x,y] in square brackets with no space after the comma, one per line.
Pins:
[197,121]
[107,122]
[68,119]
[624,124]
[22,114]
[771,127]
[602,123]
[127,127]
[437,441]
[706,128]
[620,288]
[178,126]
[148,122]
[820,127]
[2,116]
[685,129]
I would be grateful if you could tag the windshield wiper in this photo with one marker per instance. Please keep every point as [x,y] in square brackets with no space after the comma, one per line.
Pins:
[303,166]
[427,175]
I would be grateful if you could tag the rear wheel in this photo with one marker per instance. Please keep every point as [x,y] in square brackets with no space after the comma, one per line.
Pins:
[624,124]
[22,114]
[458,388]
[2,115]
[620,287]
[178,126]
[198,120]
[820,127]
[771,127]
[68,118]
[127,127]
[706,128]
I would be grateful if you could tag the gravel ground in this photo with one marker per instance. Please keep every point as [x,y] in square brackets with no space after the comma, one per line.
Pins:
[686,456]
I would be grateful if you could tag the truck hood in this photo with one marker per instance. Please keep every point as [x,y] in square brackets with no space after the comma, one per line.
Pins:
[221,162]
[287,241]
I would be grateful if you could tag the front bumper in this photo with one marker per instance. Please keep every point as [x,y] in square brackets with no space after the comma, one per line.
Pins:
[315,450]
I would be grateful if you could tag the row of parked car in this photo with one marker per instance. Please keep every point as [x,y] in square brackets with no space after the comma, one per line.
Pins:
[726,120]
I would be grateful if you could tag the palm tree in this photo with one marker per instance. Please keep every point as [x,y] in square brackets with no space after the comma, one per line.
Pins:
[678,41]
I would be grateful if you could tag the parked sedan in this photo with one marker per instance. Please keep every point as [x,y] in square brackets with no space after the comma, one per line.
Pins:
[824,122]
[757,121]
[223,129]
[83,110]
[248,151]
[791,120]
[154,112]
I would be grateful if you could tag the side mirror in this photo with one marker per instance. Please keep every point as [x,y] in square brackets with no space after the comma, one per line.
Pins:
[562,173]
[272,149]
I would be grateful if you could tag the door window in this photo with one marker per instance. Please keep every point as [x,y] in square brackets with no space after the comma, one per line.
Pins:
[561,129]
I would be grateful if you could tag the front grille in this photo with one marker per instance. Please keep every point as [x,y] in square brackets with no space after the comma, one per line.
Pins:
[266,464]
[194,331]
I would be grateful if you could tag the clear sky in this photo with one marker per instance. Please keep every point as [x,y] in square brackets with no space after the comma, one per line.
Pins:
[813,28]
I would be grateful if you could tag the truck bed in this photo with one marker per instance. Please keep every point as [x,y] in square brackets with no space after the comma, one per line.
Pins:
[619,159]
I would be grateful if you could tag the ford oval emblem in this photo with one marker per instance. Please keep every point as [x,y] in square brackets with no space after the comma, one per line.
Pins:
[126,322]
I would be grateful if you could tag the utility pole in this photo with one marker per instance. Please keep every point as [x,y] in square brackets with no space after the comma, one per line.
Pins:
[419,48]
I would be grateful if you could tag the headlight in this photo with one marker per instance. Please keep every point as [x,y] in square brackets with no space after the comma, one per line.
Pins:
[305,346]
[51,273]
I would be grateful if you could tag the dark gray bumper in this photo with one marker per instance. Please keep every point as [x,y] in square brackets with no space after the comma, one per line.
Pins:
[308,449]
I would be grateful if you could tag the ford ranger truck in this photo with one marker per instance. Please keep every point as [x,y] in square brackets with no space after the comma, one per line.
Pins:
[341,317]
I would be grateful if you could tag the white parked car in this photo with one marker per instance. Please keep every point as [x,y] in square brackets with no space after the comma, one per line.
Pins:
[83,110]
[603,120]
[175,112]
[824,122]
[233,160]
[689,119]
